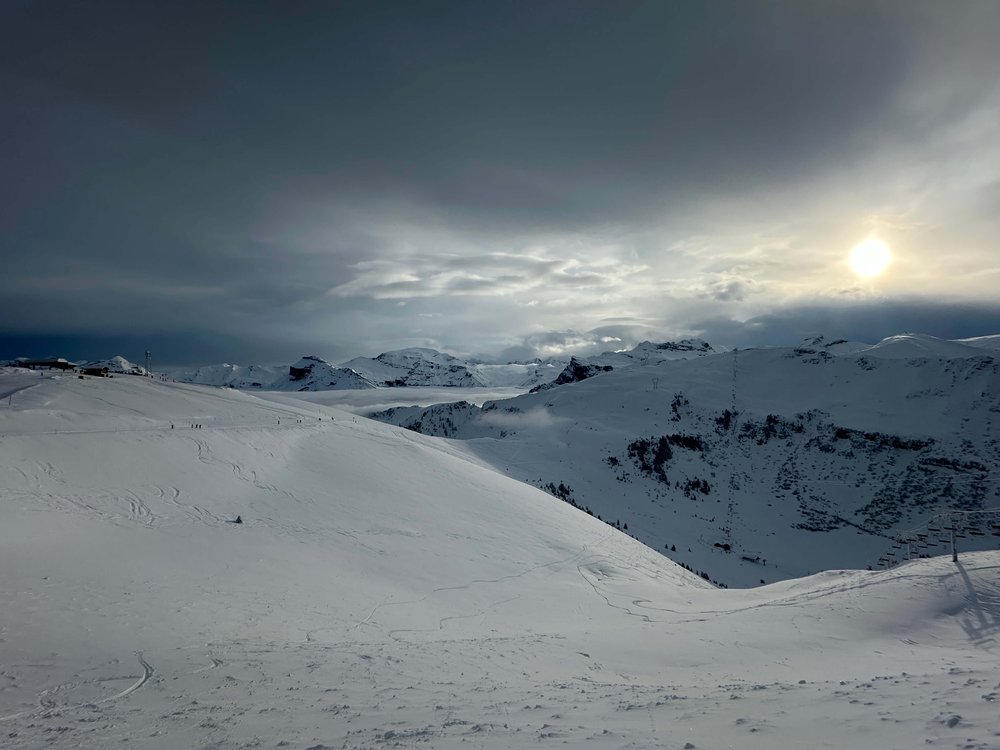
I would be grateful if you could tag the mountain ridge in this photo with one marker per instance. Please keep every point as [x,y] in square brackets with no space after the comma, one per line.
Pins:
[785,455]
[422,366]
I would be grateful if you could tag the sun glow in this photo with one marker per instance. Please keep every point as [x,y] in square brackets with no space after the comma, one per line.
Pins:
[870,258]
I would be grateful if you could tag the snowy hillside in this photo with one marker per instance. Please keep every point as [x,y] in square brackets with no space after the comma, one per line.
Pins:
[755,465]
[315,374]
[117,365]
[231,376]
[386,590]
[309,373]
[404,368]
[649,353]
[835,346]
[517,374]
[416,367]
[428,367]
[982,342]
[421,367]
[917,345]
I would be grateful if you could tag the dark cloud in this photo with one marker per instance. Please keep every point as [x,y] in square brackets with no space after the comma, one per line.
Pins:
[527,112]
[167,349]
[224,165]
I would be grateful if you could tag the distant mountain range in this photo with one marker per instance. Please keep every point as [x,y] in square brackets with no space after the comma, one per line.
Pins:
[747,465]
[417,367]
[765,463]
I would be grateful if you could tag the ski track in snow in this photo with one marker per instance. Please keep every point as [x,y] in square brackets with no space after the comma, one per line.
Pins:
[130,505]
[476,582]
[49,706]
[484,691]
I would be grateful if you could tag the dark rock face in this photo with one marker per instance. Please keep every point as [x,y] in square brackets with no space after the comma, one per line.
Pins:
[575,372]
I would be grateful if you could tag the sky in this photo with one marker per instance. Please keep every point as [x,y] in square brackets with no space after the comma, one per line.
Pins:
[249,181]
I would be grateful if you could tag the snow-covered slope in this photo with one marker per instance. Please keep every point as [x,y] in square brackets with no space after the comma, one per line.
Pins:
[649,353]
[421,367]
[231,376]
[309,373]
[754,465]
[832,345]
[386,590]
[117,365]
[517,374]
[982,342]
[906,346]
[315,374]
[920,345]
[432,371]
[416,367]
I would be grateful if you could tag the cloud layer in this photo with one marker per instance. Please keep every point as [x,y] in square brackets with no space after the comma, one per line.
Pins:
[485,177]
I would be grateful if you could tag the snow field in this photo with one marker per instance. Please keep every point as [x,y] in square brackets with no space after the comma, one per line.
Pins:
[389,590]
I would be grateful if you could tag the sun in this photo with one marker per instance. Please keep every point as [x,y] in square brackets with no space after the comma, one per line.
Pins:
[870,258]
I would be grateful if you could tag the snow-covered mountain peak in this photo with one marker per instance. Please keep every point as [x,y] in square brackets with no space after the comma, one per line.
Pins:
[795,458]
[422,366]
[653,353]
[833,345]
[574,372]
[982,342]
[417,366]
[415,354]
[920,346]
[312,373]
[696,346]
[310,360]
[117,365]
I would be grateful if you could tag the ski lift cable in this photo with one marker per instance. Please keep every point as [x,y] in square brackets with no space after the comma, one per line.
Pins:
[957,524]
